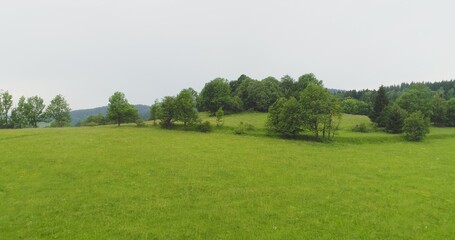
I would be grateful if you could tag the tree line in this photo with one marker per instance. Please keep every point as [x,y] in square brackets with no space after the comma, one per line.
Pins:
[30,111]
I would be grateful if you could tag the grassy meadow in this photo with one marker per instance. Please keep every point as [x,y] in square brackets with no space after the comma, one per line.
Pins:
[148,183]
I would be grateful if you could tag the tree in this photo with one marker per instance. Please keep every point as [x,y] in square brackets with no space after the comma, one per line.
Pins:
[440,107]
[285,117]
[354,106]
[6,102]
[168,111]
[451,112]
[216,94]
[307,79]
[273,90]
[186,107]
[154,111]
[395,117]
[379,104]
[18,114]
[287,86]
[417,98]
[319,109]
[416,126]
[120,111]
[34,111]
[59,111]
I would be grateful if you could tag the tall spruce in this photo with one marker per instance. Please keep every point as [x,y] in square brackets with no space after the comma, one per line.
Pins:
[379,104]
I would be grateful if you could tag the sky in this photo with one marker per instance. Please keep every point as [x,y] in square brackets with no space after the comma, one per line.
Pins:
[88,49]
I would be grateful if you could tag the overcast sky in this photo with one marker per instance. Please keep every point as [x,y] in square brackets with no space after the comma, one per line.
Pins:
[88,49]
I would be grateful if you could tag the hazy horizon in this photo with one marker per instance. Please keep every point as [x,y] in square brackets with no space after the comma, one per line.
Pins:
[87,50]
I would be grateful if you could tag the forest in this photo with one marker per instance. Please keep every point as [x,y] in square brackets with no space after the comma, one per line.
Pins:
[293,105]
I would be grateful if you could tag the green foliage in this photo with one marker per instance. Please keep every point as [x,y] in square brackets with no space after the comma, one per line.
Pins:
[18,114]
[285,117]
[58,111]
[321,111]
[395,117]
[204,126]
[216,94]
[362,127]
[380,102]
[29,112]
[168,112]
[140,123]
[354,106]
[219,117]
[416,126]
[120,111]
[93,120]
[155,111]
[6,102]
[440,108]
[417,98]
[287,86]
[242,128]
[451,112]
[305,80]
[185,104]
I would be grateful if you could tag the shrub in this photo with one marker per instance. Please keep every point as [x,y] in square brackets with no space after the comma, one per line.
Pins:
[204,127]
[140,123]
[363,128]
[240,129]
[416,126]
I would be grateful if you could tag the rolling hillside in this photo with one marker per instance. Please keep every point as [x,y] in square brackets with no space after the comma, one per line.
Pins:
[78,115]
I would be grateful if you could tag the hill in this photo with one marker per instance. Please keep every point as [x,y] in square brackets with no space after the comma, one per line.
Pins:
[78,115]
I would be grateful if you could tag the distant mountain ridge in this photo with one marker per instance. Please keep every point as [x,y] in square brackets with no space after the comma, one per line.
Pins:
[79,115]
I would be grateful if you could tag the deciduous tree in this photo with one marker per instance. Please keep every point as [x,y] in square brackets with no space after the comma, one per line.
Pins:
[120,111]
[59,112]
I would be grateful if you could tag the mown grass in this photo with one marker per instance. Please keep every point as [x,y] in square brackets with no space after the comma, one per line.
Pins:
[150,183]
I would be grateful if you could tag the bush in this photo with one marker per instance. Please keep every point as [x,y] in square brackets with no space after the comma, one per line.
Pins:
[394,119]
[140,123]
[242,128]
[204,127]
[416,126]
[363,128]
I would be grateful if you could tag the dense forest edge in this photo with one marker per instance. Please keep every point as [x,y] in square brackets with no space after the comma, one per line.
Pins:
[294,107]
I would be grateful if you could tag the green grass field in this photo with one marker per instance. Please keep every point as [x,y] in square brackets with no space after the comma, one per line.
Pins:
[149,183]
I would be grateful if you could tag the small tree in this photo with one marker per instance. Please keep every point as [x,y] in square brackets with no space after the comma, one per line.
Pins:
[6,102]
[120,111]
[186,107]
[167,112]
[155,111]
[394,119]
[34,111]
[320,110]
[380,102]
[285,117]
[219,117]
[59,111]
[416,126]
[18,114]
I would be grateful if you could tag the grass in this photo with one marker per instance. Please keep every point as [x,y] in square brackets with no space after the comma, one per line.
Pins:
[149,183]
